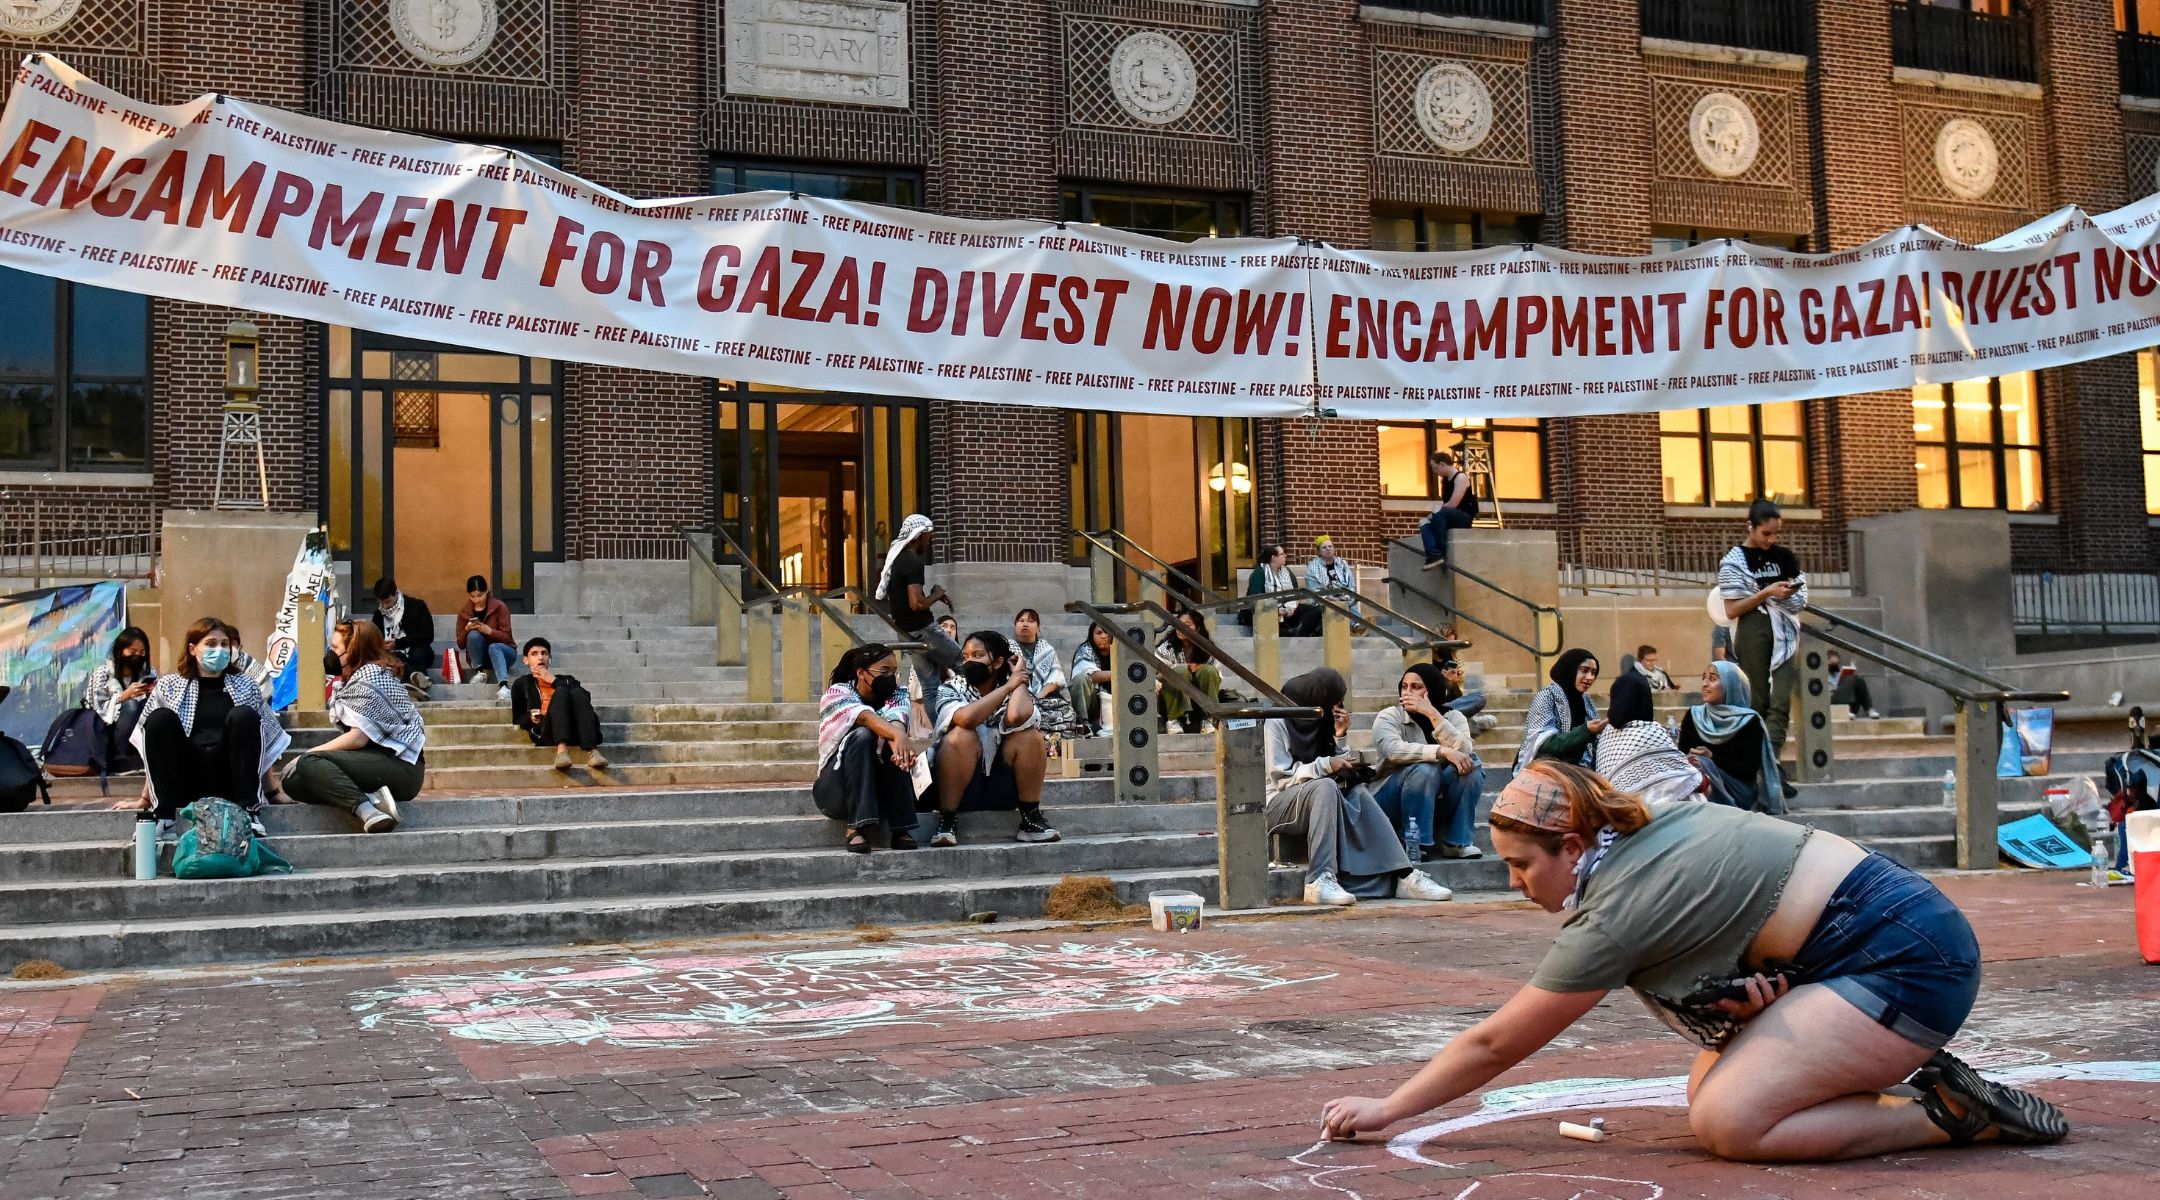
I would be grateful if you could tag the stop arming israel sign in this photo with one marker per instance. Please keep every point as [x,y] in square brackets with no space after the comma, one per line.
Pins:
[226,202]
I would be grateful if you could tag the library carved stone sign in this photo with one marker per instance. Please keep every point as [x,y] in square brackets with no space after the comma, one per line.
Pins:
[842,51]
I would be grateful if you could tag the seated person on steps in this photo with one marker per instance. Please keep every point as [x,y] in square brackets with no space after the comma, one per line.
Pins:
[409,628]
[207,730]
[986,752]
[483,629]
[864,756]
[375,762]
[555,709]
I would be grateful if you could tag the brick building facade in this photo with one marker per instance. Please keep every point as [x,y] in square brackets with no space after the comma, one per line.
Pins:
[1299,117]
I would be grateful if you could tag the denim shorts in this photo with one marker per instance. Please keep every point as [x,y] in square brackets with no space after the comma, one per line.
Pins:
[1898,949]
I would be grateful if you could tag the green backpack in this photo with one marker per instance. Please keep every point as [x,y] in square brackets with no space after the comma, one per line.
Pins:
[219,844]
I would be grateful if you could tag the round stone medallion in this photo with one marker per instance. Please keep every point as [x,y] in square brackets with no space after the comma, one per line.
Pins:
[36,18]
[1724,134]
[446,33]
[1454,107]
[1153,77]
[1966,158]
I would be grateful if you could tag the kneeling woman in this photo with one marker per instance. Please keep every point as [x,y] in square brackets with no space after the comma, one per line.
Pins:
[207,731]
[863,752]
[375,762]
[1813,973]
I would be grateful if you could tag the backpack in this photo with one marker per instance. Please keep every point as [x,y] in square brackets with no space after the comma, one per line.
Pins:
[21,779]
[75,744]
[218,844]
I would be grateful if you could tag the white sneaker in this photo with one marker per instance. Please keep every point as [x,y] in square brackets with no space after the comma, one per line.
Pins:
[385,803]
[1417,885]
[1207,728]
[478,677]
[373,819]
[503,692]
[1461,852]
[1874,714]
[1483,724]
[1325,890]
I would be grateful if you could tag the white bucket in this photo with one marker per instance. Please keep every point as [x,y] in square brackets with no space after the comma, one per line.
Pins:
[1175,912]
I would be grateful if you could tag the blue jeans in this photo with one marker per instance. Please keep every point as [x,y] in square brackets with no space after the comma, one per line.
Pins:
[499,657]
[1434,531]
[1443,801]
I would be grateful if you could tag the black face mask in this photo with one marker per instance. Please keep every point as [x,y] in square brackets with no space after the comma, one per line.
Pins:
[976,673]
[882,689]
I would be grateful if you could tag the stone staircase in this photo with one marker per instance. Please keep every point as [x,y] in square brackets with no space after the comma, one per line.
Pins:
[703,825]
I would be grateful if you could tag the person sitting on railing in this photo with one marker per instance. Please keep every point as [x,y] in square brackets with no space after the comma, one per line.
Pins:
[1046,677]
[1814,975]
[375,763]
[1458,508]
[1636,753]
[117,691]
[554,709]
[1646,665]
[1329,569]
[950,627]
[207,730]
[1470,704]
[409,627]
[1092,679]
[1428,772]
[986,752]
[907,602]
[1181,653]
[1317,791]
[1563,722]
[1295,618]
[863,752]
[1848,688]
[1727,740]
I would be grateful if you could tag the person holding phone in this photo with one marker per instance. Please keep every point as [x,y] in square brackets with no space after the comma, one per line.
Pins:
[483,629]
[1765,592]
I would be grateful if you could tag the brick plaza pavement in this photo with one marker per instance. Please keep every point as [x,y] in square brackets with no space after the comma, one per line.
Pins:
[1106,1062]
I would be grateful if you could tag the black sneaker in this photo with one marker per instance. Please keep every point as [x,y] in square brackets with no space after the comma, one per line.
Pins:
[948,830]
[1033,828]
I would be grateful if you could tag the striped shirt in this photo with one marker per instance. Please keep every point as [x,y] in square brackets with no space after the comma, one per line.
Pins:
[841,706]
[102,694]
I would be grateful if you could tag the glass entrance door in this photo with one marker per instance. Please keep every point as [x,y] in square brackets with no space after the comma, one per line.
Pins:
[440,463]
[1180,486]
[813,484]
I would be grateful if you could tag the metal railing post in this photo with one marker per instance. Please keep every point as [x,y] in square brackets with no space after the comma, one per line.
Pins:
[1815,754]
[759,653]
[1137,755]
[795,651]
[1336,644]
[833,642]
[1241,825]
[728,621]
[1102,573]
[1267,643]
[37,541]
[1979,792]
[308,634]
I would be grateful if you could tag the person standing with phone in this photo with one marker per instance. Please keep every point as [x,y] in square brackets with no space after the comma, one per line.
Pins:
[1765,592]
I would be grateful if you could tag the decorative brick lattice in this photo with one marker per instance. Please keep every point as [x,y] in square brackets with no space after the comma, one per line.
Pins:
[1395,125]
[2013,141]
[522,52]
[1673,103]
[107,26]
[2141,163]
[1090,102]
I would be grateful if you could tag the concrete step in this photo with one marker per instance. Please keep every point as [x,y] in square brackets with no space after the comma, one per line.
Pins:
[628,754]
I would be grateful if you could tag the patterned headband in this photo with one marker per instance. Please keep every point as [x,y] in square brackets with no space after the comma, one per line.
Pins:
[1535,799]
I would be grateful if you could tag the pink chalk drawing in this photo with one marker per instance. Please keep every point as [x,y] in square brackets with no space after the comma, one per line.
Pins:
[682,1001]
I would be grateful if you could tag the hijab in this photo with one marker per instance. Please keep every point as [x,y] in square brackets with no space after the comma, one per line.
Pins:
[1630,701]
[1717,723]
[1563,673]
[1435,689]
[1312,739]
[914,527]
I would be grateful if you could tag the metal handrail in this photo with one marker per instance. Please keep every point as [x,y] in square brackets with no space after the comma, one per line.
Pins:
[1960,694]
[1331,598]
[735,550]
[1105,539]
[1533,607]
[1994,685]
[1212,706]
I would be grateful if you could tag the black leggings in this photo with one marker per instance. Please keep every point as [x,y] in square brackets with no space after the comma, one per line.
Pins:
[182,772]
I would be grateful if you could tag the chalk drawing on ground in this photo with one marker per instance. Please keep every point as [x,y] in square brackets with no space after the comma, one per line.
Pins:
[685,1001]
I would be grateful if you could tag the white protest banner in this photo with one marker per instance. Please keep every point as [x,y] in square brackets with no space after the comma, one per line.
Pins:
[233,203]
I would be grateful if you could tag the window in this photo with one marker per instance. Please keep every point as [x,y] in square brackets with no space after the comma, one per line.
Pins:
[1179,216]
[864,185]
[2149,425]
[1398,228]
[1777,25]
[2137,25]
[1966,37]
[1518,456]
[74,376]
[1669,239]
[1977,443]
[1734,454]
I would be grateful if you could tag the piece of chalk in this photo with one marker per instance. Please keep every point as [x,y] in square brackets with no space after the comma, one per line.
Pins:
[1581,1133]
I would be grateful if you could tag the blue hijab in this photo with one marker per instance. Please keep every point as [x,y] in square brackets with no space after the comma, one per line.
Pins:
[1717,723]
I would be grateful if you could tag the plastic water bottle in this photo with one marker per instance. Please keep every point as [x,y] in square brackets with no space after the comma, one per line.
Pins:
[146,846]
[1950,787]
[2099,863]
[1413,842]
